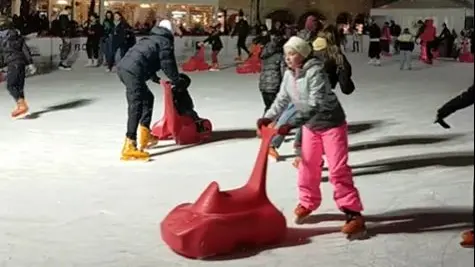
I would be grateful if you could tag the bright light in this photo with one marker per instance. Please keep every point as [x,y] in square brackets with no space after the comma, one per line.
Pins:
[144,5]
[106,3]
[62,2]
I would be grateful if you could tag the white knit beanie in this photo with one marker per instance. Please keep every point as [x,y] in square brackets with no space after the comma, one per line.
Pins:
[298,45]
[166,24]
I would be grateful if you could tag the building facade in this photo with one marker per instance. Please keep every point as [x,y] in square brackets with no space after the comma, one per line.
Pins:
[198,11]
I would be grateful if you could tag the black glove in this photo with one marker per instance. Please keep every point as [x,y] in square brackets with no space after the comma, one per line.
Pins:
[441,122]
[155,79]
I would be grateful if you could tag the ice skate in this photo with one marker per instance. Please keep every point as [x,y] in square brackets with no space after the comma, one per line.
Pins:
[467,239]
[89,64]
[238,59]
[130,152]
[214,67]
[354,227]
[63,66]
[301,213]
[21,110]
[296,162]
[146,140]
[274,154]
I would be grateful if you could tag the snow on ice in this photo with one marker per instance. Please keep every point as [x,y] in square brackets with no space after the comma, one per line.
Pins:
[67,200]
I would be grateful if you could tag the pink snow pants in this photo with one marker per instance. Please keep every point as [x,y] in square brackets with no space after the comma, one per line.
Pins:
[334,143]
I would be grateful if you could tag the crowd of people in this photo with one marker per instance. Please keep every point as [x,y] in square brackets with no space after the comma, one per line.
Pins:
[299,74]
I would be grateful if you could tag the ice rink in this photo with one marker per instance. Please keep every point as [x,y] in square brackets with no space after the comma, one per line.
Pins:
[67,200]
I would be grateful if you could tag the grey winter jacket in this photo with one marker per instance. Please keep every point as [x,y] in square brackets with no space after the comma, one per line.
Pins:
[151,54]
[273,66]
[310,91]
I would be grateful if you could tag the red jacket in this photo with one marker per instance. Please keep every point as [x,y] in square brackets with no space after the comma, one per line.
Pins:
[430,31]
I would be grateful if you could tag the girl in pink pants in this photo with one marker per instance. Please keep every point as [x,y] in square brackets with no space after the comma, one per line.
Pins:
[306,85]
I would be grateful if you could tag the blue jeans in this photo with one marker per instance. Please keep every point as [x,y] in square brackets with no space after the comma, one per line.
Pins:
[288,115]
[406,58]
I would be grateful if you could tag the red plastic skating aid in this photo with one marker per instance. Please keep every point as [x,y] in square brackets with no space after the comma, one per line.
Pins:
[196,62]
[219,222]
[465,54]
[252,64]
[181,128]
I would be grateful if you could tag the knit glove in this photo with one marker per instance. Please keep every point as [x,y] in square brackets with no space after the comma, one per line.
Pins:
[284,129]
[263,122]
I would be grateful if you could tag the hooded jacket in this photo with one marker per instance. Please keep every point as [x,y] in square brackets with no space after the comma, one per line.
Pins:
[13,48]
[310,91]
[273,65]
[151,54]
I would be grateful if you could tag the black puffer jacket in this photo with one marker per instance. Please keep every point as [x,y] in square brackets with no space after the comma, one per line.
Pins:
[273,65]
[151,54]
[13,48]
[465,99]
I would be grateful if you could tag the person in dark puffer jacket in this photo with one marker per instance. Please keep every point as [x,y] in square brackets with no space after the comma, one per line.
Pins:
[273,67]
[151,54]
[464,100]
[16,56]
[214,39]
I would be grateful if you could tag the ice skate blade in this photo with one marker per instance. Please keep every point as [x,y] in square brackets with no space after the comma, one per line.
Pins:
[128,158]
[21,117]
[361,235]
[464,245]
[301,220]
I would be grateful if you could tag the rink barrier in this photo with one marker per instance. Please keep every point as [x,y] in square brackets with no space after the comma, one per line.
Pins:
[46,50]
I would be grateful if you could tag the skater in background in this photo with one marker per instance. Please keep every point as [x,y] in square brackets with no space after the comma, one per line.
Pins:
[324,130]
[106,42]
[263,38]
[16,56]
[118,40]
[310,30]
[356,40]
[385,40]
[428,37]
[242,30]
[94,32]
[151,54]
[214,39]
[406,44]
[395,31]
[461,101]
[273,67]
[374,50]
[65,33]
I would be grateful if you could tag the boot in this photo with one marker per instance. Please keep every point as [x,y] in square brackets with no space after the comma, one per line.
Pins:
[90,63]
[214,67]
[273,153]
[301,213]
[21,109]
[130,151]
[146,140]
[95,63]
[467,239]
[354,227]
[296,162]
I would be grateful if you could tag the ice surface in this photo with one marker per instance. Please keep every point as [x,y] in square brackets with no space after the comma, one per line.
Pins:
[67,200]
